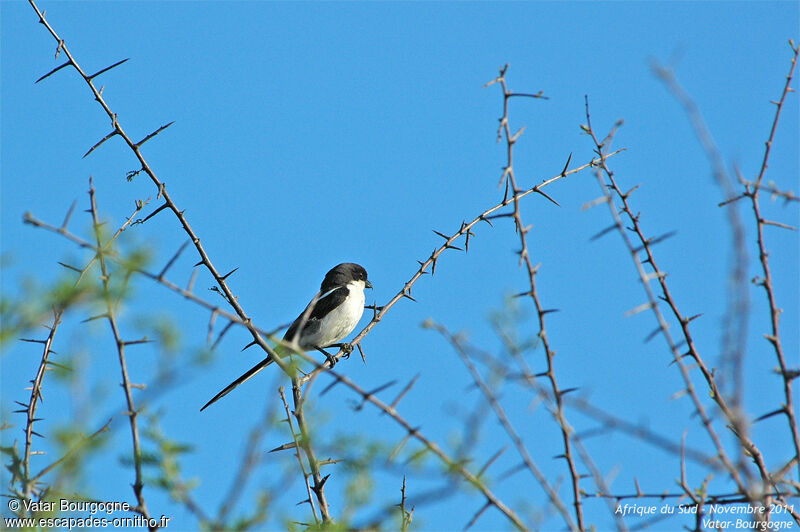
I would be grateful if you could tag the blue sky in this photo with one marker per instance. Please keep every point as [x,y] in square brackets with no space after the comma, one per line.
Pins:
[311,134]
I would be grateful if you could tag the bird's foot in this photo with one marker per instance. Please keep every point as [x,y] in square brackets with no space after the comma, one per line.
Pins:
[329,357]
[346,349]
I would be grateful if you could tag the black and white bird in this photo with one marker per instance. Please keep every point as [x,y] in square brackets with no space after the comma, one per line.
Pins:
[331,315]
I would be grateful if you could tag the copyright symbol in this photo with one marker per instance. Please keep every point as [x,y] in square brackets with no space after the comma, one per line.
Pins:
[13,504]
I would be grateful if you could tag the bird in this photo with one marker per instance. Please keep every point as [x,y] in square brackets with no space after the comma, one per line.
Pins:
[329,317]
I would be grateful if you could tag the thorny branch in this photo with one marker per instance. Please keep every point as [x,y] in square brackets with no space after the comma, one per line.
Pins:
[737,316]
[645,245]
[135,147]
[405,515]
[552,494]
[30,409]
[111,317]
[186,293]
[415,433]
[308,450]
[752,191]
[525,258]
[607,421]
[220,279]
[296,445]
[430,263]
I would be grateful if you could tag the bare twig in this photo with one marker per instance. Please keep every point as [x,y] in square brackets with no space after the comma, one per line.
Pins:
[33,401]
[731,415]
[775,336]
[519,444]
[305,444]
[297,446]
[525,258]
[113,255]
[737,315]
[132,412]
[135,147]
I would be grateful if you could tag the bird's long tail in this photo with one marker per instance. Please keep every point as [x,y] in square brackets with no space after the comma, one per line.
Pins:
[252,371]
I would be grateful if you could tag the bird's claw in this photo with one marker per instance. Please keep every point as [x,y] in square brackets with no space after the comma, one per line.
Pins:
[331,359]
[347,349]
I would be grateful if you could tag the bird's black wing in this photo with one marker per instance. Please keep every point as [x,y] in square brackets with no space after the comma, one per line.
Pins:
[252,371]
[321,308]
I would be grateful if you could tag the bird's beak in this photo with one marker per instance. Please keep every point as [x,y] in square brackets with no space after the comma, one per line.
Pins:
[367,284]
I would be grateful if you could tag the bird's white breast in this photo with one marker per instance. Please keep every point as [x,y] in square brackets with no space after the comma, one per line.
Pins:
[342,320]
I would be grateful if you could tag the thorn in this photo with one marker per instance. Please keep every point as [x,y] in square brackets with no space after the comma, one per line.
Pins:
[409,297]
[101,141]
[594,202]
[602,233]
[652,241]
[99,316]
[33,341]
[329,387]
[778,224]
[404,391]
[158,210]
[516,135]
[153,134]
[771,338]
[361,352]
[491,461]
[136,342]
[655,275]
[468,234]
[629,192]
[285,446]
[228,274]
[689,320]
[770,414]
[652,334]
[687,354]
[172,261]
[53,71]
[637,310]
[248,346]
[118,63]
